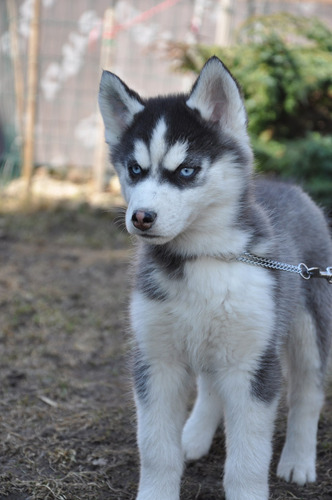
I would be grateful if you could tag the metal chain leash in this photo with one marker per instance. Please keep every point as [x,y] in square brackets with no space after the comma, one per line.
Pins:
[302,269]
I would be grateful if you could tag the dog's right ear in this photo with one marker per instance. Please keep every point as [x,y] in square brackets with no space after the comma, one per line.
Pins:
[118,104]
[217,97]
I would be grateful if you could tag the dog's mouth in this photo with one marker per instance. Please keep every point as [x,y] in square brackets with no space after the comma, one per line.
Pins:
[156,239]
[149,236]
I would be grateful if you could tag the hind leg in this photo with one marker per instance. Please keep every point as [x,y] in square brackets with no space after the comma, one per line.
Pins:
[200,427]
[305,400]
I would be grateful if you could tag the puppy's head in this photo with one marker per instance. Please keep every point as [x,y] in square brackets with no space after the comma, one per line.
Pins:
[178,158]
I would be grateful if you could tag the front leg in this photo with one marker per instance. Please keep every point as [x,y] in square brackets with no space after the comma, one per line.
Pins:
[249,423]
[161,396]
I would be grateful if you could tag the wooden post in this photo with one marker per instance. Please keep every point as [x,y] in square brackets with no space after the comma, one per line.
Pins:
[105,63]
[224,23]
[29,139]
[17,67]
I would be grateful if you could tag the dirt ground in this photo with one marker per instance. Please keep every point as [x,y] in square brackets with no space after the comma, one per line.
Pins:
[67,420]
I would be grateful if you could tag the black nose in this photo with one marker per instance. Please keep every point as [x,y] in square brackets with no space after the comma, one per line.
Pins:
[143,220]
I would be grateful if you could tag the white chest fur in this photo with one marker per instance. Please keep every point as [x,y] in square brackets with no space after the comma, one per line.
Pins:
[216,314]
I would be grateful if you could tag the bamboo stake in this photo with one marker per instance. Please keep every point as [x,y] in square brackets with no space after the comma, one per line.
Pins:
[29,140]
[105,63]
[17,66]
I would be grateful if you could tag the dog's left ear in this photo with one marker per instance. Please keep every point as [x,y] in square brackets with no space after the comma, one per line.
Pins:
[217,97]
[118,105]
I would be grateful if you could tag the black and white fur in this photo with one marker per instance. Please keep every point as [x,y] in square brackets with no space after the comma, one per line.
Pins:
[185,167]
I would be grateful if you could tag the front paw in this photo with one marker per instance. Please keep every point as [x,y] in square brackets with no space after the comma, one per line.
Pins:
[159,487]
[245,492]
[151,495]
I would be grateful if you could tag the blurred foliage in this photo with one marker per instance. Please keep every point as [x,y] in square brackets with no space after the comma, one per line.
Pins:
[283,64]
[307,160]
[10,159]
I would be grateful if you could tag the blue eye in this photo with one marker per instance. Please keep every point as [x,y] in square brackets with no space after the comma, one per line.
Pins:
[134,169]
[187,172]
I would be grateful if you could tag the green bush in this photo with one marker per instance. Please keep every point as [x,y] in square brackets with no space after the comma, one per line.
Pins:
[10,159]
[283,64]
[307,161]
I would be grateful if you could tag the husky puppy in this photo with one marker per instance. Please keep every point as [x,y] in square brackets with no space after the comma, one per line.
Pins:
[185,167]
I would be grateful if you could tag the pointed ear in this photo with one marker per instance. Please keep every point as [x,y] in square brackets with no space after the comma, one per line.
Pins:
[118,105]
[217,97]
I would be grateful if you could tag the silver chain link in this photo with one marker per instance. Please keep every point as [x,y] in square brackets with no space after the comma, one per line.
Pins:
[300,269]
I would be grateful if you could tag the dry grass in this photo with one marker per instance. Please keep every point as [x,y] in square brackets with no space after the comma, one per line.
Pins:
[66,419]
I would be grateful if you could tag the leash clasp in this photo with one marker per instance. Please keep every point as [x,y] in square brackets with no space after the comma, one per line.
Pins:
[315,272]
